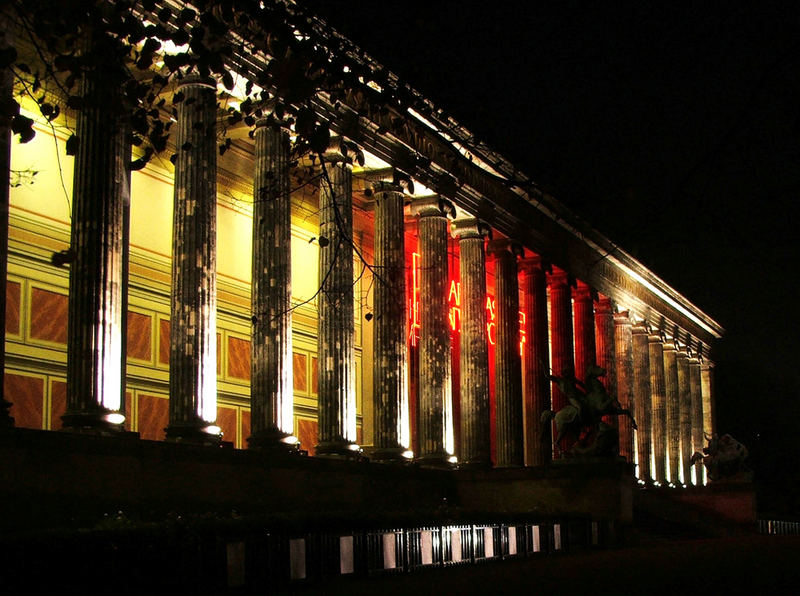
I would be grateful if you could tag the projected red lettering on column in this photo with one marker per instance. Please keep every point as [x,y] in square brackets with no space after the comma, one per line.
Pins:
[454,315]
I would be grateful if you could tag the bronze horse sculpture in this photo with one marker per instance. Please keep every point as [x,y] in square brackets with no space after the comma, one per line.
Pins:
[582,417]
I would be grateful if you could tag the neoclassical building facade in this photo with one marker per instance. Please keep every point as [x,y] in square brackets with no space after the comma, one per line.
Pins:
[324,304]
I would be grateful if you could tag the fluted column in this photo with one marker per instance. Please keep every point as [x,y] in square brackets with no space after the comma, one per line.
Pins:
[685,401]
[626,391]
[475,448]
[560,336]
[585,345]
[271,379]
[673,411]
[659,417]
[707,390]
[390,359]
[642,400]
[193,336]
[100,190]
[336,336]
[508,366]
[6,96]
[697,416]
[605,350]
[536,357]
[435,418]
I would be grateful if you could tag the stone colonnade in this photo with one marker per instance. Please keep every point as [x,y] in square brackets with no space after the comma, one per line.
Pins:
[567,326]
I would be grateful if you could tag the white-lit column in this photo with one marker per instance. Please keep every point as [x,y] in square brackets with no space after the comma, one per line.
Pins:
[623,343]
[271,378]
[475,448]
[336,404]
[642,400]
[659,418]
[697,415]
[100,190]
[435,414]
[685,399]
[389,343]
[673,411]
[193,335]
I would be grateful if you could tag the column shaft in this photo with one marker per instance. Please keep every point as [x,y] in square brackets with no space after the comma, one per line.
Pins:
[271,370]
[193,335]
[508,366]
[626,391]
[685,400]
[585,345]
[642,401]
[390,359]
[435,368]
[536,357]
[707,390]
[6,97]
[475,448]
[561,348]
[100,190]
[606,351]
[336,349]
[659,418]
[697,417]
[673,411]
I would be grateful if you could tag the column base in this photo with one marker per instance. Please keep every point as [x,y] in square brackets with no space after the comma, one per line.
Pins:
[274,441]
[439,461]
[195,434]
[101,422]
[338,449]
[476,466]
[390,455]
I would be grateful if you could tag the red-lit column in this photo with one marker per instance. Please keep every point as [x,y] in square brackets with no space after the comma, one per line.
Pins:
[435,408]
[642,400]
[536,358]
[585,345]
[475,448]
[685,400]
[697,415]
[560,334]
[508,365]
[193,330]
[336,372]
[390,399]
[626,392]
[271,386]
[100,191]
[659,418]
[6,97]
[672,407]
[604,345]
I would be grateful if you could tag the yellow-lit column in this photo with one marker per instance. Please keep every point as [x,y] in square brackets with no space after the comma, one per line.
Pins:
[659,419]
[673,411]
[685,399]
[193,330]
[623,344]
[697,415]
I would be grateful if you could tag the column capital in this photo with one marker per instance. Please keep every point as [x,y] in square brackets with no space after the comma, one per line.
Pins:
[386,186]
[470,227]
[640,328]
[335,157]
[584,292]
[433,206]
[604,305]
[534,263]
[669,346]
[622,318]
[558,277]
[501,246]
[198,81]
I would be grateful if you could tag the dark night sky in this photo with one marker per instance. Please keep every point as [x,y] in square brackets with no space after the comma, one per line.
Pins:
[674,129]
